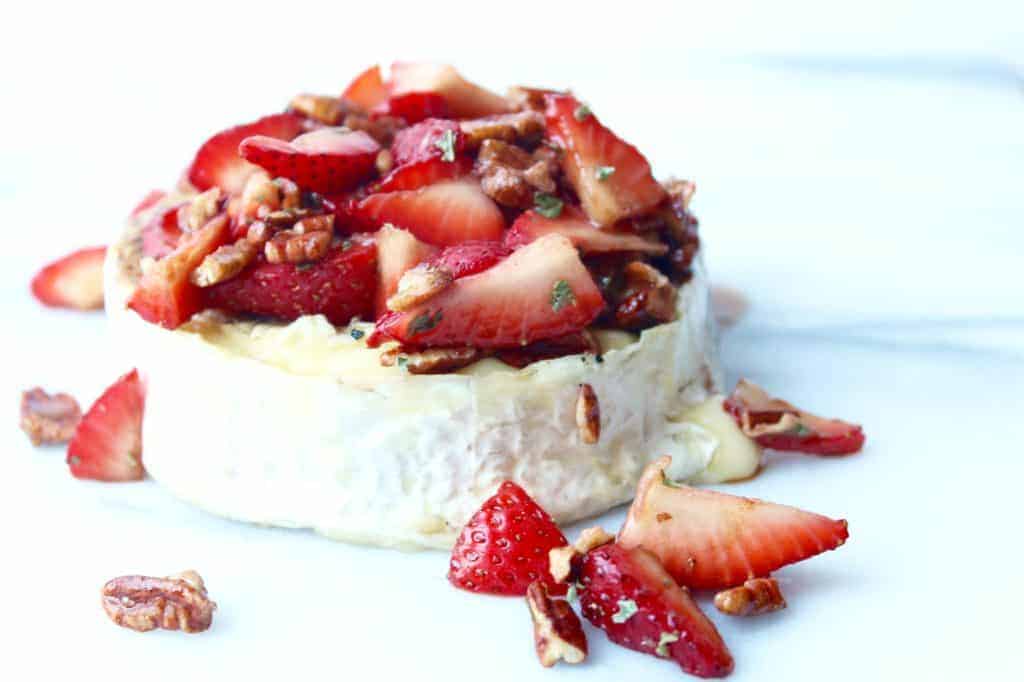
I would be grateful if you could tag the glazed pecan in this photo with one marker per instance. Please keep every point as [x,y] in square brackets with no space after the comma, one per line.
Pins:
[563,562]
[752,598]
[224,263]
[322,108]
[419,284]
[431,360]
[291,196]
[523,127]
[380,128]
[523,97]
[258,233]
[557,630]
[49,418]
[260,196]
[203,207]
[142,603]
[286,217]
[288,246]
[588,414]
[316,223]
[649,297]
[511,176]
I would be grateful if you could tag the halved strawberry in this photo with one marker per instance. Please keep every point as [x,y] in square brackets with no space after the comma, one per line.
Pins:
[367,90]
[340,286]
[324,160]
[538,292]
[218,164]
[397,252]
[107,445]
[413,106]
[465,99]
[148,201]
[613,179]
[74,281]
[575,226]
[422,173]
[446,213]
[430,139]
[469,258]
[162,233]
[165,296]
[628,594]
[504,546]
[712,540]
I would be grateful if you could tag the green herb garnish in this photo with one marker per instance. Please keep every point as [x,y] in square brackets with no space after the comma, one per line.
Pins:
[446,143]
[356,333]
[666,639]
[547,205]
[424,322]
[582,113]
[602,173]
[627,609]
[562,295]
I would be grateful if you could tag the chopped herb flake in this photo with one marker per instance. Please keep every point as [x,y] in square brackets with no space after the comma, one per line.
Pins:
[424,322]
[446,143]
[356,334]
[627,609]
[801,430]
[604,172]
[582,113]
[572,595]
[402,361]
[668,481]
[562,295]
[666,639]
[547,205]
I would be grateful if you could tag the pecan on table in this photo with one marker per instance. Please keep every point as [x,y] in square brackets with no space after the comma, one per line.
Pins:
[143,603]
[49,418]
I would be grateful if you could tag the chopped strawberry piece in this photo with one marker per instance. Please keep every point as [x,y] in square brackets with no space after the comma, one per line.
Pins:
[628,594]
[367,90]
[539,292]
[419,174]
[414,106]
[218,164]
[469,258]
[711,540]
[165,296]
[107,445]
[428,140]
[778,425]
[444,214]
[397,252]
[161,234]
[504,546]
[148,201]
[74,281]
[575,226]
[340,287]
[613,179]
[324,160]
[465,99]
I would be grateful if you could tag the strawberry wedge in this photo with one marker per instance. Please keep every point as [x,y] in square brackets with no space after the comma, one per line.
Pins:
[107,445]
[367,90]
[75,281]
[419,174]
[612,178]
[539,292]
[710,540]
[575,227]
[323,161]
[465,99]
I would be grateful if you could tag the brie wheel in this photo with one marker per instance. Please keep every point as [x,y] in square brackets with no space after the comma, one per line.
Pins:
[298,425]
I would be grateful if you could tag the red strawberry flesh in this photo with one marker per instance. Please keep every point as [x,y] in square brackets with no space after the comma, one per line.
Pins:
[107,445]
[324,160]
[367,90]
[426,140]
[585,236]
[74,281]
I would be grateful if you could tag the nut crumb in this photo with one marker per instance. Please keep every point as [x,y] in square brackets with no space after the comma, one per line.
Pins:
[322,108]
[557,631]
[203,207]
[417,285]
[49,418]
[224,263]
[143,603]
[431,360]
[563,562]
[752,598]
[588,414]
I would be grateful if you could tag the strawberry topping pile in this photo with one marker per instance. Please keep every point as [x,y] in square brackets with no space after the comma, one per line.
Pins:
[454,217]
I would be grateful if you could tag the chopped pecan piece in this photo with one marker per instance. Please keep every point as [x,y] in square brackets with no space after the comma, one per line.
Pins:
[648,299]
[588,414]
[592,538]
[569,344]
[291,196]
[224,263]
[317,223]
[289,246]
[431,360]
[564,561]
[417,285]
[557,630]
[286,217]
[49,418]
[752,598]
[523,97]
[258,233]
[510,175]
[323,108]
[203,207]
[523,127]
[142,603]
[384,162]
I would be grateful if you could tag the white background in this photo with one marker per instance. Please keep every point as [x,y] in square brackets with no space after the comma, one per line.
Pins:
[861,173]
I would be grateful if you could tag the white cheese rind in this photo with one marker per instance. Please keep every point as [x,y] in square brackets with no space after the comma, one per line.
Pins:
[392,459]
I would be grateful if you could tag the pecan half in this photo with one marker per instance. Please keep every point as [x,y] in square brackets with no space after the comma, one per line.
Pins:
[289,246]
[752,598]
[588,414]
[323,108]
[431,360]
[524,127]
[224,263]
[316,223]
[557,630]
[419,284]
[511,175]
[203,207]
[648,299]
[49,418]
[143,603]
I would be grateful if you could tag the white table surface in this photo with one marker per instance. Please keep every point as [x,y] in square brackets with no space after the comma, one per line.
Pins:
[868,202]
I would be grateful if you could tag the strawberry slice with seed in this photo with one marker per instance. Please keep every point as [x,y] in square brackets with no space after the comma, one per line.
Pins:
[539,292]
[74,281]
[465,99]
[107,445]
[397,252]
[324,160]
[628,594]
[469,258]
[711,540]
[414,106]
[613,179]
[419,174]
[218,164]
[434,138]
[504,546]
[367,90]
[572,224]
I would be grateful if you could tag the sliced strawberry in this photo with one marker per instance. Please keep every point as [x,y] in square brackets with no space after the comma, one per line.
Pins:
[539,292]
[574,225]
[148,201]
[778,425]
[162,233]
[218,164]
[107,445]
[447,213]
[397,252]
[504,546]
[469,258]
[465,99]
[422,173]
[628,594]
[712,540]
[165,296]
[428,140]
[613,179]
[340,286]
[367,90]
[414,106]
[74,281]
[324,160]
